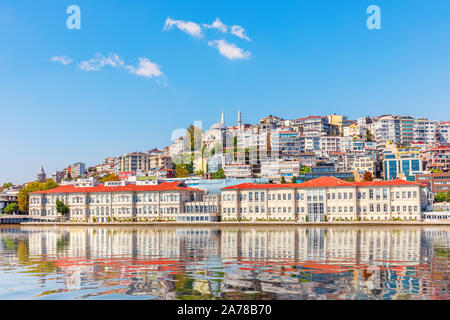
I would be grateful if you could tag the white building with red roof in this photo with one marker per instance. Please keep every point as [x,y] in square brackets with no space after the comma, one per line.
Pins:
[323,199]
[116,201]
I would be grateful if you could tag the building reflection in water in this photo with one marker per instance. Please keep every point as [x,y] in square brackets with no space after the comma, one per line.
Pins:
[233,263]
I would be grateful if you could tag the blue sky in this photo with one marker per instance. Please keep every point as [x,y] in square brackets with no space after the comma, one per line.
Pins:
[302,58]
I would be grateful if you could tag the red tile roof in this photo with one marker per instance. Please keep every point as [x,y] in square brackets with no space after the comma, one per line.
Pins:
[324,182]
[321,182]
[165,186]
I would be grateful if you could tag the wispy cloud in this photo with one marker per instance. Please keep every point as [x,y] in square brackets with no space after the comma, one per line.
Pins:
[229,50]
[99,61]
[240,32]
[146,68]
[65,60]
[217,24]
[188,27]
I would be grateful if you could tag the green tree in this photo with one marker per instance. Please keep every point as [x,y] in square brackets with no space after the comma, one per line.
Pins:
[305,169]
[62,208]
[219,174]
[200,173]
[293,180]
[109,177]
[440,197]
[283,181]
[7,185]
[23,197]
[10,208]
[181,171]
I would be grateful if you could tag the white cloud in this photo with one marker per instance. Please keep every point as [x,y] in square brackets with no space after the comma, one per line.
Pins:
[229,50]
[240,32]
[62,59]
[146,68]
[188,27]
[99,61]
[217,24]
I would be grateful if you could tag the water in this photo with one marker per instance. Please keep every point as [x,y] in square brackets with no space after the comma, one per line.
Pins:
[224,263]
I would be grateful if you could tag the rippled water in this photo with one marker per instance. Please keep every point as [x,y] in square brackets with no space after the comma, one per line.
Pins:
[224,263]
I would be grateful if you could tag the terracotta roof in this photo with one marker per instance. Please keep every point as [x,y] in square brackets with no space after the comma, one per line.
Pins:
[321,182]
[165,186]
[258,186]
[324,182]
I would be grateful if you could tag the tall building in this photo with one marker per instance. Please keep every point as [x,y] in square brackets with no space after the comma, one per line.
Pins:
[78,169]
[338,121]
[286,144]
[401,161]
[387,128]
[444,132]
[133,162]
[406,130]
[41,175]
[426,131]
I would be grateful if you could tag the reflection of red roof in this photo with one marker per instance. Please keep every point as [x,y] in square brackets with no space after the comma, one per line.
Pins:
[165,186]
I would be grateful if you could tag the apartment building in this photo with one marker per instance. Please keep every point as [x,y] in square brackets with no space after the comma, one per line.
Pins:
[363,165]
[444,132]
[133,162]
[406,129]
[387,128]
[426,131]
[159,160]
[277,169]
[436,158]
[438,182]
[238,171]
[77,169]
[322,199]
[286,144]
[116,200]
[315,123]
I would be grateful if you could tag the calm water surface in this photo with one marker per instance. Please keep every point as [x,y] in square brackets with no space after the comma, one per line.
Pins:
[224,263]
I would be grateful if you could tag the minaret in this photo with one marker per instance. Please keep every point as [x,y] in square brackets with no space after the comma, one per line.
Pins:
[223,118]
[239,119]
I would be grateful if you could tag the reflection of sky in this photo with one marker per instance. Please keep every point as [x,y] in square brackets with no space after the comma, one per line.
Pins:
[163,263]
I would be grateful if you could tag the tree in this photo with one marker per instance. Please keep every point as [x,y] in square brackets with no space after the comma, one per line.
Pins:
[219,174]
[62,208]
[440,197]
[436,171]
[200,173]
[367,176]
[10,208]
[294,180]
[7,185]
[283,181]
[369,136]
[109,177]
[181,171]
[305,169]
[23,197]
